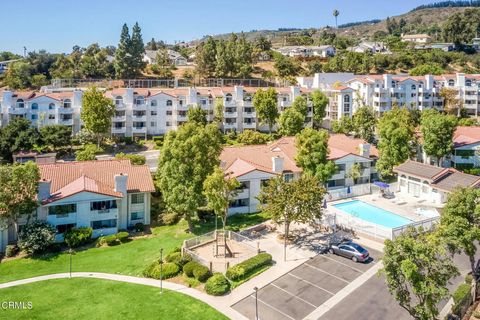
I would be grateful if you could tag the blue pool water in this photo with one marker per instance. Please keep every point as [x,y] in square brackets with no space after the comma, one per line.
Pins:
[372,214]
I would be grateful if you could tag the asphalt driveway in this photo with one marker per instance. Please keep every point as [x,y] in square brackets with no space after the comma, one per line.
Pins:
[300,291]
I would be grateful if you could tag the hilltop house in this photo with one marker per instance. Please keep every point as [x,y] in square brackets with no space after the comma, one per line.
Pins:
[431,183]
[176,58]
[105,195]
[417,38]
[307,51]
[254,165]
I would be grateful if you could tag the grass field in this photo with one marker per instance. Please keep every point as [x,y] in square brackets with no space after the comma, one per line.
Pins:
[79,298]
[128,258]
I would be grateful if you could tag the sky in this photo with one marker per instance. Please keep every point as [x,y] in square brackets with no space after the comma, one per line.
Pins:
[58,25]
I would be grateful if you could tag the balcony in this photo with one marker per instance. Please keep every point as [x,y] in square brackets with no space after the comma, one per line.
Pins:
[230,114]
[142,106]
[103,214]
[56,219]
[119,130]
[120,106]
[63,110]
[66,122]
[139,130]
[230,125]
[119,119]
[243,194]
[251,125]
[140,118]
[249,114]
[228,102]
[12,110]
[339,175]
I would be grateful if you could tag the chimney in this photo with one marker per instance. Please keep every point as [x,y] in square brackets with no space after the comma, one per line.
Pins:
[295,92]
[429,80]
[387,80]
[277,164]
[192,96]
[44,189]
[238,93]
[364,150]
[121,183]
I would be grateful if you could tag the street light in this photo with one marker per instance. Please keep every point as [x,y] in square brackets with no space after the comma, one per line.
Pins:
[71,252]
[161,270]
[256,303]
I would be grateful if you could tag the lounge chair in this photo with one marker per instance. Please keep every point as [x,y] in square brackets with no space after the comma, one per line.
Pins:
[388,195]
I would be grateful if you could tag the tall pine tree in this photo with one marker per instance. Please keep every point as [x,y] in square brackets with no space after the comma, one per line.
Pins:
[122,55]
[137,50]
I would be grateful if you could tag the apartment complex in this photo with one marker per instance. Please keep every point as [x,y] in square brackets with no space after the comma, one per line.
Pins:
[254,165]
[105,195]
[141,112]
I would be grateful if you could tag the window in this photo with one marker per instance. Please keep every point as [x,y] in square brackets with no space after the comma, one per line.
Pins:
[346,98]
[451,83]
[103,224]
[34,106]
[140,100]
[153,113]
[288,177]
[468,83]
[62,228]
[137,215]
[153,103]
[118,100]
[228,97]
[239,203]
[169,112]
[51,117]
[137,198]
[170,103]
[341,167]
[20,103]
[103,205]
[414,87]
[67,103]
[153,124]
[51,106]
[34,116]
[203,101]
[168,124]
[62,209]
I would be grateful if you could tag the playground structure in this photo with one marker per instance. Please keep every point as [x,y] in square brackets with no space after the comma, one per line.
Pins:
[220,249]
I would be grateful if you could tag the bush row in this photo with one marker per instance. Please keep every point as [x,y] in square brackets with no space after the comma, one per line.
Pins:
[196,270]
[167,270]
[113,239]
[217,285]
[76,237]
[239,271]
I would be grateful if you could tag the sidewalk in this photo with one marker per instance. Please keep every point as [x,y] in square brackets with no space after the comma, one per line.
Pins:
[210,300]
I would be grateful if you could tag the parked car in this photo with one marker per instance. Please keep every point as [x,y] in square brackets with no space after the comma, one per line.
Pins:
[350,250]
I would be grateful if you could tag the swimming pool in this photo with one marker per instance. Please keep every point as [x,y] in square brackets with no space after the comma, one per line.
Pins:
[372,214]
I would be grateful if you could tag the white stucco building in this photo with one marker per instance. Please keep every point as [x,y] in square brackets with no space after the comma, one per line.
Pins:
[254,165]
[105,195]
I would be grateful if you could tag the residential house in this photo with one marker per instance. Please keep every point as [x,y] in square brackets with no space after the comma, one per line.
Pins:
[370,47]
[37,157]
[431,183]
[417,38]
[466,148]
[254,165]
[307,51]
[447,47]
[175,58]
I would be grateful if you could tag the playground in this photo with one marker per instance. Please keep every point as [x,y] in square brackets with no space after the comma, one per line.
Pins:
[220,249]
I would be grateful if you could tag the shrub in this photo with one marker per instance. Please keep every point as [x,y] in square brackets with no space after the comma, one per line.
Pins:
[201,273]
[217,285]
[135,159]
[173,257]
[460,296]
[476,314]
[169,270]
[189,267]
[170,218]
[87,153]
[36,236]
[239,271]
[139,227]
[11,250]
[111,240]
[78,236]
[122,236]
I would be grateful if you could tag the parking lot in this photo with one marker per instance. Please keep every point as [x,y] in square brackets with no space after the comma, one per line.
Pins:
[300,291]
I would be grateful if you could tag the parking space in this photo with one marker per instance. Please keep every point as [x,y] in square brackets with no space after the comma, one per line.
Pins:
[300,291]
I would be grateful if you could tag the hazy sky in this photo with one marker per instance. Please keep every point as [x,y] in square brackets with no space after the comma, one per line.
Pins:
[57,25]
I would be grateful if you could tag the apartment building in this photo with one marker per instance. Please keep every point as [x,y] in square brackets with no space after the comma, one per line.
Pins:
[42,108]
[140,112]
[254,165]
[307,51]
[105,195]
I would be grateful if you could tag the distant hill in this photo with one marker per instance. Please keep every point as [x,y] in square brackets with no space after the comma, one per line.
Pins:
[424,16]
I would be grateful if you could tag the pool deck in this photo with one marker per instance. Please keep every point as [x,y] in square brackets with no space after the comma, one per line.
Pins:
[402,205]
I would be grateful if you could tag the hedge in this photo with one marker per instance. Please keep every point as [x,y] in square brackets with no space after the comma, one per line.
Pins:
[189,267]
[201,273]
[11,250]
[78,236]
[169,270]
[462,293]
[176,257]
[123,236]
[217,285]
[239,271]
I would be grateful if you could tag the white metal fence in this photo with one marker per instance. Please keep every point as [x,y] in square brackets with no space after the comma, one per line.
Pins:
[348,192]
[426,224]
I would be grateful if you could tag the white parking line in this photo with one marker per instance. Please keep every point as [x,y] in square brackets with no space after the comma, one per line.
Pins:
[311,283]
[272,307]
[346,265]
[326,272]
[293,295]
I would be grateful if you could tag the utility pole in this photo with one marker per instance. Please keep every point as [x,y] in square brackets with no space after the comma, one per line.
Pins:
[24,52]
[161,270]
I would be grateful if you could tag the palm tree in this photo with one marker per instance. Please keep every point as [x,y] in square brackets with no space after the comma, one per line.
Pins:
[336,13]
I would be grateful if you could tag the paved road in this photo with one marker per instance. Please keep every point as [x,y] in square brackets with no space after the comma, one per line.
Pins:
[302,290]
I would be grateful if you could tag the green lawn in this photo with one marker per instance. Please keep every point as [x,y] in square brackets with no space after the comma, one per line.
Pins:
[79,298]
[128,258]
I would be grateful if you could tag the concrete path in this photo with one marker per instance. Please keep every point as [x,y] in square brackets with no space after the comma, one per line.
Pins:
[210,300]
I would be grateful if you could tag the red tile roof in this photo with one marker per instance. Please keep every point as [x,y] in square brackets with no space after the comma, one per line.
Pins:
[70,178]
[240,160]
[466,135]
